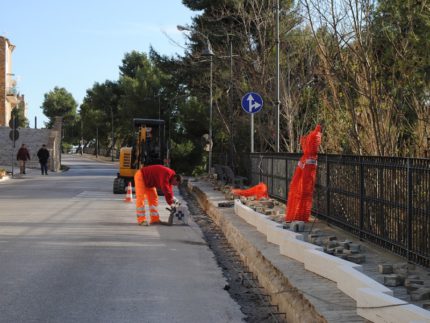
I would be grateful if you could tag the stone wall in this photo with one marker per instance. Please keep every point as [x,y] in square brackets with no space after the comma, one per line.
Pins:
[34,139]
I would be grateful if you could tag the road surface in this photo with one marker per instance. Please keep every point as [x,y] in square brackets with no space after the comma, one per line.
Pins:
[71,251]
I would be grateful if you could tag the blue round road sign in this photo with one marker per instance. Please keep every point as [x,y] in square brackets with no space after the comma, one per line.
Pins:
[252,102]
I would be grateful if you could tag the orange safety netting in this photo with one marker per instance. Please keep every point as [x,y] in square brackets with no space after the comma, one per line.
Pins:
[259,191]
[299,203]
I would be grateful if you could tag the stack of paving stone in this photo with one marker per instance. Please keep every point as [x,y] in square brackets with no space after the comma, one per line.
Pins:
[266,206]
[213,178]
[226,189]
[403,275]
[345,249]
[295,226]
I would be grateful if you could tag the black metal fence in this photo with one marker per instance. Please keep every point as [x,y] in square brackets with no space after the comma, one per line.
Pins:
[383,200]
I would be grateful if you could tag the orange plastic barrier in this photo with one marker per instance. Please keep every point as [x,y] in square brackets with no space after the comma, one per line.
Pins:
[302,185]
[259,191]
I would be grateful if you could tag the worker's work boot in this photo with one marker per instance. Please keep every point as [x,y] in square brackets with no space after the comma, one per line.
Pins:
[155,219]
[141,220]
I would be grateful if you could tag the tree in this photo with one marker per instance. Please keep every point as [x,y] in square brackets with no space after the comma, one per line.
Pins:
[401,48]
[19,114]
[140,83]
[186,116]
[99,110]
[374,63]
[249,26]
[59,103]
[139,93]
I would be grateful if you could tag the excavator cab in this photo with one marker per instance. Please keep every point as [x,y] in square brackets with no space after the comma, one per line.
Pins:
[148,148]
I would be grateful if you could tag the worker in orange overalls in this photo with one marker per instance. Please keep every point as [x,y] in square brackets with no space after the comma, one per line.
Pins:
[146,182]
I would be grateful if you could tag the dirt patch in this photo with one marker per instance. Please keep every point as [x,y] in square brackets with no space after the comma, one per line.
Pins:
[241,283]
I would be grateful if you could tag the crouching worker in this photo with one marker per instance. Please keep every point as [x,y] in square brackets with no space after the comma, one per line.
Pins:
[146,182]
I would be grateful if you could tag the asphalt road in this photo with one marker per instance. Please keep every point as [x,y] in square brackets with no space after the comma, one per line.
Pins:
[71,251]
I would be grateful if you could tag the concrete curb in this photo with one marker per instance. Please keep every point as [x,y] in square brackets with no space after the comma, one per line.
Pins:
[374,300]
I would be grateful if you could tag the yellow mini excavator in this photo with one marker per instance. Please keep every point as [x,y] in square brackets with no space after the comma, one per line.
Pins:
[148,148]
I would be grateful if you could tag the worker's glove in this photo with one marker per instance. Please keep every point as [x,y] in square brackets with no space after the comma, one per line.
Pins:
[176,202]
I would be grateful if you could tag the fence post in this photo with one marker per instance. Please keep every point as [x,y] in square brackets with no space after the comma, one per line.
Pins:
[409,209]
[380,195]
[327,189]
[286,180]
[273,176]
[260,167]
[362,195]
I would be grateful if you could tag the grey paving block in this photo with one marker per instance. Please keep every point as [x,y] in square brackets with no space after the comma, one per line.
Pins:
[413,287]
[354,247]
[410,281]
[356,258]
[421,294]
[338,250]
[385,269]
[426,305]
[344,244]
[393,280]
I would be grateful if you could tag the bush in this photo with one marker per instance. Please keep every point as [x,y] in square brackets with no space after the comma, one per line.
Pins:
[186,157]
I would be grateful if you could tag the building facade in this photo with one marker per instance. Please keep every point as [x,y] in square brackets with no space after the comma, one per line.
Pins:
[8,94]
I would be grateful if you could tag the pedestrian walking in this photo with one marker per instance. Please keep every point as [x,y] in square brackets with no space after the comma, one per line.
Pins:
[146,181]
[22,156]
[43,155]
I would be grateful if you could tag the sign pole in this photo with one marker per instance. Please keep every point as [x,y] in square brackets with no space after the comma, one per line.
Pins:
[13,139]
[278,100]
[252,133]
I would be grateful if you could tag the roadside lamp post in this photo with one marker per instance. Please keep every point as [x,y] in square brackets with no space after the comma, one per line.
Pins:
[97,142]
[82,138]
[208,52]
[230,109]
[278,99]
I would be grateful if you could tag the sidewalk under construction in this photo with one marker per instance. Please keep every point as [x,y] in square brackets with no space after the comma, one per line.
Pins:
[302,294]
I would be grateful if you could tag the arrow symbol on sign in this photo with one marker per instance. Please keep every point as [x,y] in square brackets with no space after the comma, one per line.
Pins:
[252,105]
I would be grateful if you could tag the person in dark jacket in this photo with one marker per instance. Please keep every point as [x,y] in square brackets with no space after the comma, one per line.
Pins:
[22,156]
[43,155]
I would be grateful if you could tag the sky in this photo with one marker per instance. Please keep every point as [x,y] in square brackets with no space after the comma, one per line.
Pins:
[76,43]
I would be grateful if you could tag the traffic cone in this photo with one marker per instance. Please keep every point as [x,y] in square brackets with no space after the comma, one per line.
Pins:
[129,195]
